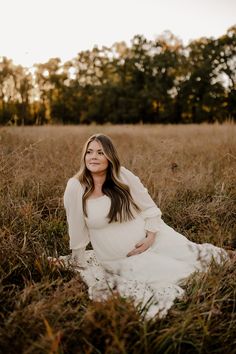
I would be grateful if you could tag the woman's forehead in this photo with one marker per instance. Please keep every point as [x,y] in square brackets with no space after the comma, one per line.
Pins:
[96,145]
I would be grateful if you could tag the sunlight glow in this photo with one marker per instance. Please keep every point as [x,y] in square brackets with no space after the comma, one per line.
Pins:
[32,31]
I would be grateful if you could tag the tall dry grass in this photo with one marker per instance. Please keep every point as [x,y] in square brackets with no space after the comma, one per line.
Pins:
[190,173]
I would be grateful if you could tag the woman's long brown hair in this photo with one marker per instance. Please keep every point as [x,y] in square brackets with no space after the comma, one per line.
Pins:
[119,193]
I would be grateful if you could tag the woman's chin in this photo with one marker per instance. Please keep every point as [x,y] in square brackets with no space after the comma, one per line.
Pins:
[95,169]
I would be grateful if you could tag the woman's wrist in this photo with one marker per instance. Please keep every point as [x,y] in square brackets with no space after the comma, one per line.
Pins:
[151,236]
[78,256]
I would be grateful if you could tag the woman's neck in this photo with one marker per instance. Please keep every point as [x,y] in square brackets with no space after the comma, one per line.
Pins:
[99,179]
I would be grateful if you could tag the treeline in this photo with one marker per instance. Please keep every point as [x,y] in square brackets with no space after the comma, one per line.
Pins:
[158,81]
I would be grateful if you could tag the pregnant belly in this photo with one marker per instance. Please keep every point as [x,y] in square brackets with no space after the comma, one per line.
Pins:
[116,240]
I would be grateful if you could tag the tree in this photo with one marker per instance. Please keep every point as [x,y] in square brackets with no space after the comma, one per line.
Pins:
[202,94]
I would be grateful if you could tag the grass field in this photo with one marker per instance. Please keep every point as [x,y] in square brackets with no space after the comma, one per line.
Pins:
[190,172]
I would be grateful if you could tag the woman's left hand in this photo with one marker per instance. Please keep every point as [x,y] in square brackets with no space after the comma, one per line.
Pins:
[143,245]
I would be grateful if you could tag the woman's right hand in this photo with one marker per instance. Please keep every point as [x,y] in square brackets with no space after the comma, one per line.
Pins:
[143,245]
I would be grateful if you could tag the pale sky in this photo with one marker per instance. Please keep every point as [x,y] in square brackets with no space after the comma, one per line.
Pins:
[33,31]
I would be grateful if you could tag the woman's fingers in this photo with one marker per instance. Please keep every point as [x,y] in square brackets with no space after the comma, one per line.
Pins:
[140,243]
[137,250]
[141,246]
[133,252]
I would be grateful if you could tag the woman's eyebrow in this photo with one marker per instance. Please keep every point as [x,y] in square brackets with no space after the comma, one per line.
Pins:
[89,149]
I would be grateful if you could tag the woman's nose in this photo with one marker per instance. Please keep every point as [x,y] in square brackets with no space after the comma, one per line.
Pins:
[94,155]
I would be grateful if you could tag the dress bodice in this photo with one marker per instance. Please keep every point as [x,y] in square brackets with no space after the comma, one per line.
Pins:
[97,210]
[111,240]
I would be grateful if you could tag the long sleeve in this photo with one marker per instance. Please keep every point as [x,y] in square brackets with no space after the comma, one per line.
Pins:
[77,229]
[149,210]
[78,257]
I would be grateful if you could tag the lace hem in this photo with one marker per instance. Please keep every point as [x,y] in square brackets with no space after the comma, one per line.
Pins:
[154,299]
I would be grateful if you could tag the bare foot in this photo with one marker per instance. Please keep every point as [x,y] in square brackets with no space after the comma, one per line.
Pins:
[56,262]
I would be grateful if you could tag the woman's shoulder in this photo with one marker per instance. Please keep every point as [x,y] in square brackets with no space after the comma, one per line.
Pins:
[73,183]
[73,191]
[124,170]
[126,173]
[129,178]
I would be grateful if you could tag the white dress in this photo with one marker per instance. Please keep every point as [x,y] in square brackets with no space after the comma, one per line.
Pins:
[155,274]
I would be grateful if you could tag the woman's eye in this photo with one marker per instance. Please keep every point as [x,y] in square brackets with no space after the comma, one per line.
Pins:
[101,153]
[88,152]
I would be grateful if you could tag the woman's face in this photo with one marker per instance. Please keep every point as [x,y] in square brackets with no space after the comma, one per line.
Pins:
[95,160]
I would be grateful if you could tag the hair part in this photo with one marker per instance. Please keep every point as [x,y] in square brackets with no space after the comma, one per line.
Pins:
[122,204]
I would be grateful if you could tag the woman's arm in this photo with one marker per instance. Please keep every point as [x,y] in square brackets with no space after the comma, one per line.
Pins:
[149,210]
[77,229]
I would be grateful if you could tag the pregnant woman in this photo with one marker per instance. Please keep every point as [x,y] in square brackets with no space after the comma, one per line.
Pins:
[134,251]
